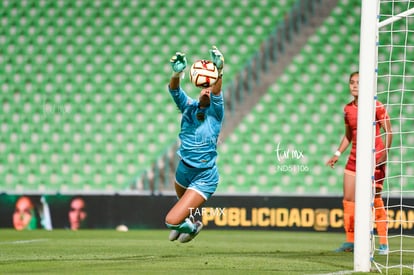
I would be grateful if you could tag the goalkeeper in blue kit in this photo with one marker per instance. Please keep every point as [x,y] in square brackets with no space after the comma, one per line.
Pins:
[197,176]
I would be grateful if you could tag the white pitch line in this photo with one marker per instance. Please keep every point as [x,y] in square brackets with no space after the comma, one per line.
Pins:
[337,273]
[25,241]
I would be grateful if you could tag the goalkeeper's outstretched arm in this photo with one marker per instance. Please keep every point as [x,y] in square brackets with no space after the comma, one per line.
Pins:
[218,60]
[216,88]
[174,83]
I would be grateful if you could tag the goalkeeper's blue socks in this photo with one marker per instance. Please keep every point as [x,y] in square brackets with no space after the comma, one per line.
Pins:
[185,227]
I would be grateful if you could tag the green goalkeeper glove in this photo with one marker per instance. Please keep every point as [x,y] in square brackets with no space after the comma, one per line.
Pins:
[217,58]
[178,63]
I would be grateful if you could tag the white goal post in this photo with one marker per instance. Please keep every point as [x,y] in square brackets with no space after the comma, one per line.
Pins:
[365,134]
[368,68]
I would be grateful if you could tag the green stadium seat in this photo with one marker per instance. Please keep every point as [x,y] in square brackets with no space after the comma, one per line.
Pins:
[110,65]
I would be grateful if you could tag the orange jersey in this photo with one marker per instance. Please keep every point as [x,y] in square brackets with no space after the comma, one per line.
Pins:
[351,120]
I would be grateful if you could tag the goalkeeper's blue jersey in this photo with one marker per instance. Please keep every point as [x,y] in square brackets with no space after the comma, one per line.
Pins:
[199,138]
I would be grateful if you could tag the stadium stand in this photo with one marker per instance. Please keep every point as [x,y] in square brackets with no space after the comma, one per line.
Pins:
[302,112]
[85,107]
[83,84]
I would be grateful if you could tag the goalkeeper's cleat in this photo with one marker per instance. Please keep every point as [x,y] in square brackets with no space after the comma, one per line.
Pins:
[173,235]
[383,249]
[345,247]
[186,237]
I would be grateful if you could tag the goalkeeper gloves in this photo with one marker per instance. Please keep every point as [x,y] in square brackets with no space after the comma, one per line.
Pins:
[178,63]
[218,59]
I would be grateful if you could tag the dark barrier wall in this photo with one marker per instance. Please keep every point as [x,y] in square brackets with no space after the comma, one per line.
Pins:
[276,213]
[220,212]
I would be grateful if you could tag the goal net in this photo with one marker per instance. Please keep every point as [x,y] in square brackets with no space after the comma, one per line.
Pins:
[394,87]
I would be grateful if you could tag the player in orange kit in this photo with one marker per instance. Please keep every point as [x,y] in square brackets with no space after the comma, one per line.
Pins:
[381,149]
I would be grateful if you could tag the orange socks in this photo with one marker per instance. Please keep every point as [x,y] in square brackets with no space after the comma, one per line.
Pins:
[381,220]
[349,211]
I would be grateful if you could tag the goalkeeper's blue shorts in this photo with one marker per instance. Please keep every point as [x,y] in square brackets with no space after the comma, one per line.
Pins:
[202,180]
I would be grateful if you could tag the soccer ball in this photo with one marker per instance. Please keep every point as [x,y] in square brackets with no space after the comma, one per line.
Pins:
[203,73]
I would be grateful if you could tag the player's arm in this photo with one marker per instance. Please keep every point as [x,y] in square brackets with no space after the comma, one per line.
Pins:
[216,88]
[218,60]
[386,126]
[346,140]
[174,83]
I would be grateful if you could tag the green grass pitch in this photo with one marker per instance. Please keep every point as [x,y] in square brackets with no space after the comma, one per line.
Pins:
[150,252]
